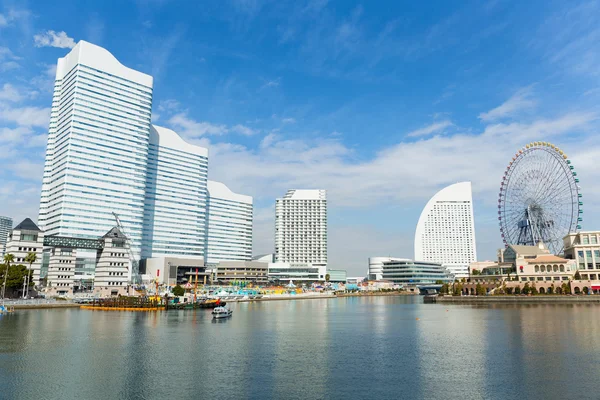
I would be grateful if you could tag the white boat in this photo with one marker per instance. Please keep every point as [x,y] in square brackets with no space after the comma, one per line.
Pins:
[221,312]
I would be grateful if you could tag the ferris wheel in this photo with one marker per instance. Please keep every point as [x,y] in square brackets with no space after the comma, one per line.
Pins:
[540,198]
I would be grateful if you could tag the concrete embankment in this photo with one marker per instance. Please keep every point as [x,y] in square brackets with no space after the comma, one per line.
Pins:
[514,299]
[38,306]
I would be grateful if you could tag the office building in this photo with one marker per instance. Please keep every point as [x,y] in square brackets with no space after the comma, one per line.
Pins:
[175,208]
[300,236]
[229,233]
[445,232]
[105,161]
[255,272]
[5,228]
[97,149]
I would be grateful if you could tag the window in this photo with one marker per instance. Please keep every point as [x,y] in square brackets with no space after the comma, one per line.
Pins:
[580,253]
[586,240]
[594,239]
[597,253]
[29,237]
[537,268]
[588,253]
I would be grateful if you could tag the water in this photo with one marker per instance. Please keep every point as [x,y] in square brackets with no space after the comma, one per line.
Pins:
[349,348]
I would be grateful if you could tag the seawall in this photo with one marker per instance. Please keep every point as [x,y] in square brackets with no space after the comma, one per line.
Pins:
[514,299]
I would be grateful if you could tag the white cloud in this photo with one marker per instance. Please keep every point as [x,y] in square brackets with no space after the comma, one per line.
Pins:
[428,130]
[288,120]
[3,20]
[520,101]
[10,93]
[26,116]
[169,105]
[271,83]
[194,129]
[243,130]
[54,39]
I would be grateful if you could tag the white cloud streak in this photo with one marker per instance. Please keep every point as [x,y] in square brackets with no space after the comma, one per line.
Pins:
[428,130]
[521,100]
[54,39]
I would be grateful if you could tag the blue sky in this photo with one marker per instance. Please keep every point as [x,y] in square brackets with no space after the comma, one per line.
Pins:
[380,103]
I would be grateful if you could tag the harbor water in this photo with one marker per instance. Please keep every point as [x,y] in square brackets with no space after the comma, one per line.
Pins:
[392,347]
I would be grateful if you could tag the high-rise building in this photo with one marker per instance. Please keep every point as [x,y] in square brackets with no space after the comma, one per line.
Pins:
[229,233]
[445,232]
[5,228]
[104,156]
[300,236]
[97,148]
[176,197]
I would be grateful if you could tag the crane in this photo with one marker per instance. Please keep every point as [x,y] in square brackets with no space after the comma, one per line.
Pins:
[135,266]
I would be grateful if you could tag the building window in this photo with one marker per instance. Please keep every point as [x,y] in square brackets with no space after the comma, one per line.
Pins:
[588,253]
[580,253]
[537,268]
[594,239]
[28,237]
[542,268]
[586,240]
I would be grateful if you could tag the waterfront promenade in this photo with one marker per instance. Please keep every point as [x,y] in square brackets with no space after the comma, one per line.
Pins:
[512,299]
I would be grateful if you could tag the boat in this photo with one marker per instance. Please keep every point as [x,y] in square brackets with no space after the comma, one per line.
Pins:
[212,303]
[6,310]
[221,312]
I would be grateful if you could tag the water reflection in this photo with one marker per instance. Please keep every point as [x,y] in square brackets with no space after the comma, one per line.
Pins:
[376,347]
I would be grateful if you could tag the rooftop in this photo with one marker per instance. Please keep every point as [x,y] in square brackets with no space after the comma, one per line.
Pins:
[27,225]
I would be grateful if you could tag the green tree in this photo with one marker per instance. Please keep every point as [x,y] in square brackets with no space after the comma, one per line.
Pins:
[15,277]
[476,272]
[526,288]
[534,289]
[457,291]
[479,290]
[327,277]
[518,290]
[566,288]
[445,289]
[577,276]
[509,290]
[8,258]
[178,290]
[585,290]
[31,257]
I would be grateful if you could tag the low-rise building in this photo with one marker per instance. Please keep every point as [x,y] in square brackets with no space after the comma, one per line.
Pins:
[175,270]
[407,272]
[337,275]
[27,238]
[303,272]
[247,271]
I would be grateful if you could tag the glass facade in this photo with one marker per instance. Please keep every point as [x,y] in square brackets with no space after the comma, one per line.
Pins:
[414,272]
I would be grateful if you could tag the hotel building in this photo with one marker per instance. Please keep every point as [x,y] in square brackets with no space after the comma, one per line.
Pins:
[300,236]
[445,232]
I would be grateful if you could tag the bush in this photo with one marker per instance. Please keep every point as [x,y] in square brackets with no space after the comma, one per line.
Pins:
[577,275]
[550,289]
[518,290]
[178,291]
[480,290]
[585,290]
[534,289]
[526,288]
[509,290]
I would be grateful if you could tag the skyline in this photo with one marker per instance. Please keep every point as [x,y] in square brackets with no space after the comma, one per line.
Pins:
[333,96]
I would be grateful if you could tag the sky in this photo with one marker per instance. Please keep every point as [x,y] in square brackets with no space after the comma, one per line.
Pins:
[380,103]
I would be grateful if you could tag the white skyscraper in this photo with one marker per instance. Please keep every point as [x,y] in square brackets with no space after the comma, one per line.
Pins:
[5,228]
[176,197]
[301,227]
[97,146]
[445,232]
[229,235]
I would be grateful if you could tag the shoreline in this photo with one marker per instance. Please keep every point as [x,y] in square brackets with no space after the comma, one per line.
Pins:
[41,306]
[512,299]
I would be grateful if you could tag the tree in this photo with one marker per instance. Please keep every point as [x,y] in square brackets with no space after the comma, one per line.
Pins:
[550,289]
[577,276]
[518,290]
[457,289]
[31,257]
[566,288]
[327,277]
[15,277]
[526,288]
[445,289]
[8,258]
[585,290]
[178,291]
[509,290]
[534,289]
[476,272]
[480,290]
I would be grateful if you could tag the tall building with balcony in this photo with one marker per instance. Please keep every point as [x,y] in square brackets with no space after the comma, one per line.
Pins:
[97,150]
[5,228]
[584,248]
[229,233]
[175,206]
[300,235]
[445,232]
